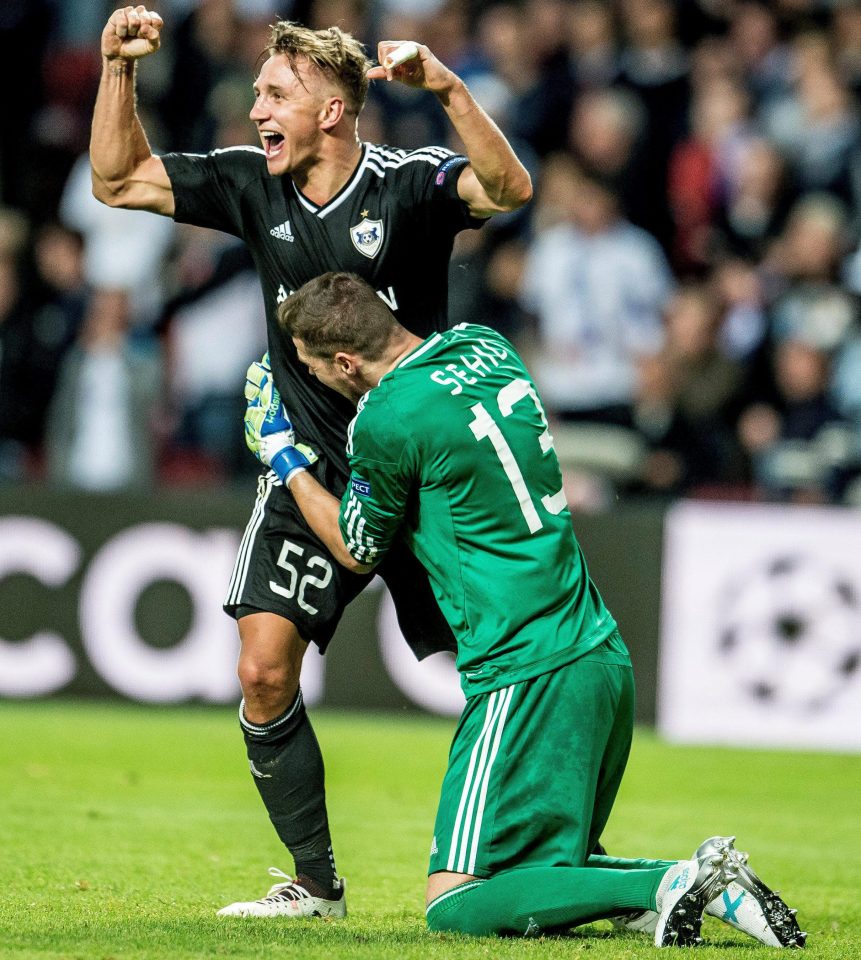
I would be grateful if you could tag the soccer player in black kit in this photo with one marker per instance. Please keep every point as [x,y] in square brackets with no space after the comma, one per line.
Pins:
[312,199]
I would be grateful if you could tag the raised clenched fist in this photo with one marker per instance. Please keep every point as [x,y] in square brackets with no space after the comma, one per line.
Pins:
[131,32]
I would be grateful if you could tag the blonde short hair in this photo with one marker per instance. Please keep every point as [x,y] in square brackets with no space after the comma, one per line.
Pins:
[337,55]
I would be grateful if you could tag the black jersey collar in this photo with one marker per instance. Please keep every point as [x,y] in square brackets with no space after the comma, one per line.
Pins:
[340,196]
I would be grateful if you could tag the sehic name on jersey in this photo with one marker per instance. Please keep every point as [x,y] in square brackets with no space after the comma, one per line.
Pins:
[481,360]
[387,296]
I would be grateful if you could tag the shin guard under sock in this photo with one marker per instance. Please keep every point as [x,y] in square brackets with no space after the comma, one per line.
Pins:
[621,863]
[287,767]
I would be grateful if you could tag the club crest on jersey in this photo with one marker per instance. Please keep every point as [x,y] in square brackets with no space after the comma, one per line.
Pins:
[367,237]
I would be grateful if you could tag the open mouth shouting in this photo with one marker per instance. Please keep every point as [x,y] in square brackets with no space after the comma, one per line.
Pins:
[273,143]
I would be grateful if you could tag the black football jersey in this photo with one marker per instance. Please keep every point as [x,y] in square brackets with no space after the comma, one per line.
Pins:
[393,223]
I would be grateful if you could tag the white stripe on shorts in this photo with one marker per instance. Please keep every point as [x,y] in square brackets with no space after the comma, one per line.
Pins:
[479,815]
[470,811]
[243,558]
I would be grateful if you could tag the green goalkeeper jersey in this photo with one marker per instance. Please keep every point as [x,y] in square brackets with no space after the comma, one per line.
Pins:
[452,451]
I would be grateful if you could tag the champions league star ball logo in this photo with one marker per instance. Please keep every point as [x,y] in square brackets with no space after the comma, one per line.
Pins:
[367,237]
[790,633]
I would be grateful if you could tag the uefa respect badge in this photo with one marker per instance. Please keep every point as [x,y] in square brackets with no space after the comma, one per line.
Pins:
[360,487]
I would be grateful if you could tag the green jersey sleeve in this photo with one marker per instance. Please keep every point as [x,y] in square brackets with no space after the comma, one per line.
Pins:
[383,466]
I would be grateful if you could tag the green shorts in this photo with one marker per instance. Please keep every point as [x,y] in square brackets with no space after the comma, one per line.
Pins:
[534,768]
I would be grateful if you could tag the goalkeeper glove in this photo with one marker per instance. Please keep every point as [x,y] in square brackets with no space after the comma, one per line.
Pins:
[258,394]
[269,433]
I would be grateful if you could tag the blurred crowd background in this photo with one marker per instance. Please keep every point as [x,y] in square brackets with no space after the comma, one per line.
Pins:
[684,285]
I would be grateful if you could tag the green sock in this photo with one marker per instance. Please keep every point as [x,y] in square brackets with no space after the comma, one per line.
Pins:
[535,899]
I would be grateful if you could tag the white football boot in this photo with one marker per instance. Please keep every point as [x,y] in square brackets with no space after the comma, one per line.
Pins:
[748,904]
[288,898]
[684,892]
[644,921]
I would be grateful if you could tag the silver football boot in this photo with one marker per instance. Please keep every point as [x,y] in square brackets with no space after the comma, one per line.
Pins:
[748,904]
[685,891]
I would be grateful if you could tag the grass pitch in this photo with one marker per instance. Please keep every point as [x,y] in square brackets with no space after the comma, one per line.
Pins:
[122,829]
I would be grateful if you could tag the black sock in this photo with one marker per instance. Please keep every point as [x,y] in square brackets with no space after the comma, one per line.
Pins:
[287,766]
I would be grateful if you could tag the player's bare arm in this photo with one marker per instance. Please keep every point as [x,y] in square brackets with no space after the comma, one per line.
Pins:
[125,171]
[495,180]
[321,510]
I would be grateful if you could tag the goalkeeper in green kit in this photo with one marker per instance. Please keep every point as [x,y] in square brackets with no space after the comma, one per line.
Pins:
[450,449]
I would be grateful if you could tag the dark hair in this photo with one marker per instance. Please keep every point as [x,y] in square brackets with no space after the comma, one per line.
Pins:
[336,54]
[338,311]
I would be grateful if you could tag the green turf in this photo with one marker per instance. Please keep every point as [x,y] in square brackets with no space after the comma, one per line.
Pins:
[122,829]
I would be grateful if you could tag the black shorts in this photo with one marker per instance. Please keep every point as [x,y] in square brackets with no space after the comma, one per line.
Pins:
[283,568]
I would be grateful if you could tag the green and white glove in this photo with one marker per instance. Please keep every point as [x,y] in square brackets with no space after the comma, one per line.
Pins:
[269,433]
[258,394]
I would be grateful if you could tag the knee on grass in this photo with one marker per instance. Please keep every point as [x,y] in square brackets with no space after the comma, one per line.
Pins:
[462,910]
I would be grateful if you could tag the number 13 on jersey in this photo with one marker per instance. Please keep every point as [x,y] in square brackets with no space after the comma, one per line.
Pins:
[485,427]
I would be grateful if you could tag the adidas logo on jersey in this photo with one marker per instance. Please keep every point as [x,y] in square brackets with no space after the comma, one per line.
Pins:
[283,231]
